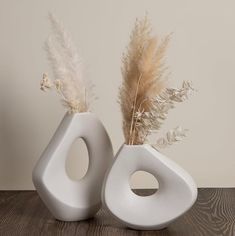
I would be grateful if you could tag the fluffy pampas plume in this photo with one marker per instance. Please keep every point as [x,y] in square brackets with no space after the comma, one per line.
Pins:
[144,98]
[67,68]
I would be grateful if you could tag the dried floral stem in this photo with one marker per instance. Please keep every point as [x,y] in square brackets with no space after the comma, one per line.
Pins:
[171,137]
[139,109]
[61,94]
[133,113]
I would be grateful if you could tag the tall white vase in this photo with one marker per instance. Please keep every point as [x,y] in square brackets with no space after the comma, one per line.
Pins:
[67,199]
[176,194]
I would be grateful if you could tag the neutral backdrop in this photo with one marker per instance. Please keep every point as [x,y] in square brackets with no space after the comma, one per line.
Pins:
[202,50]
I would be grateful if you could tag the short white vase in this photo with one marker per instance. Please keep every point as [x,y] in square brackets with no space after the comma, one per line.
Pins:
[67,199]
[176,194]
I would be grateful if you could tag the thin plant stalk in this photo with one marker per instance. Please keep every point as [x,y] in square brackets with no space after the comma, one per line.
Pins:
[133,113]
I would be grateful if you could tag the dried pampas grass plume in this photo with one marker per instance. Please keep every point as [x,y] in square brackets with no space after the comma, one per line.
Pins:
[144,98]
[67,68]
[144,77]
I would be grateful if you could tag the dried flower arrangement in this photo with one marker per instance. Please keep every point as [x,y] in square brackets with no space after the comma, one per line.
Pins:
[67,68]
[144,98]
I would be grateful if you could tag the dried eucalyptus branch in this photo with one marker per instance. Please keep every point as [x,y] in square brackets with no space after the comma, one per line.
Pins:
[172,136]
[45,83]
[151,121]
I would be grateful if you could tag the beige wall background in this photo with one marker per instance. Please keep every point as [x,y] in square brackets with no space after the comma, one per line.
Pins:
[202,50]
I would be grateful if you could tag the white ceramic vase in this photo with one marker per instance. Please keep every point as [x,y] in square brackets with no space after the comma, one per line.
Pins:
[67,199]
[176,194]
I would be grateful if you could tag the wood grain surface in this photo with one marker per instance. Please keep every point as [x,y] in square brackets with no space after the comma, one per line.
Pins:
[23,213]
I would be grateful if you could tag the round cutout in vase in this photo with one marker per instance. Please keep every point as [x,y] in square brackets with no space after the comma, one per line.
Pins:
[143,183]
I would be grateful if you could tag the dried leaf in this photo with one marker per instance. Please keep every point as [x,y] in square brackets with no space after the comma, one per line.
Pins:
[172,136]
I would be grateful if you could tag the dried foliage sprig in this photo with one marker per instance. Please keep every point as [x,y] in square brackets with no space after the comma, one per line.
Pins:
[148,122]
[144,98]
[67,67]
[172,136]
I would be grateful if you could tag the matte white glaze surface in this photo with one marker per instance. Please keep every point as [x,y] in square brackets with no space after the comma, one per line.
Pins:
[176,194]
[67,199]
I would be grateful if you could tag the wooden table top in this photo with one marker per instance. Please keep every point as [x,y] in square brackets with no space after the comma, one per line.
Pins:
[23,213]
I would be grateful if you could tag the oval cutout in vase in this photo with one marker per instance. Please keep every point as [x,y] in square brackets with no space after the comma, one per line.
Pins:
[140,180]
[176,194]
[77,162]
[70,200]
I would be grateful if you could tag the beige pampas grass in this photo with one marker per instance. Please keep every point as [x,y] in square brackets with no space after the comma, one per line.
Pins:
[144,98]
[143,77]
[67,67]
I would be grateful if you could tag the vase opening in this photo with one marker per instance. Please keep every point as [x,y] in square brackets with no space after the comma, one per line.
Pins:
[140,180]
[77,161]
